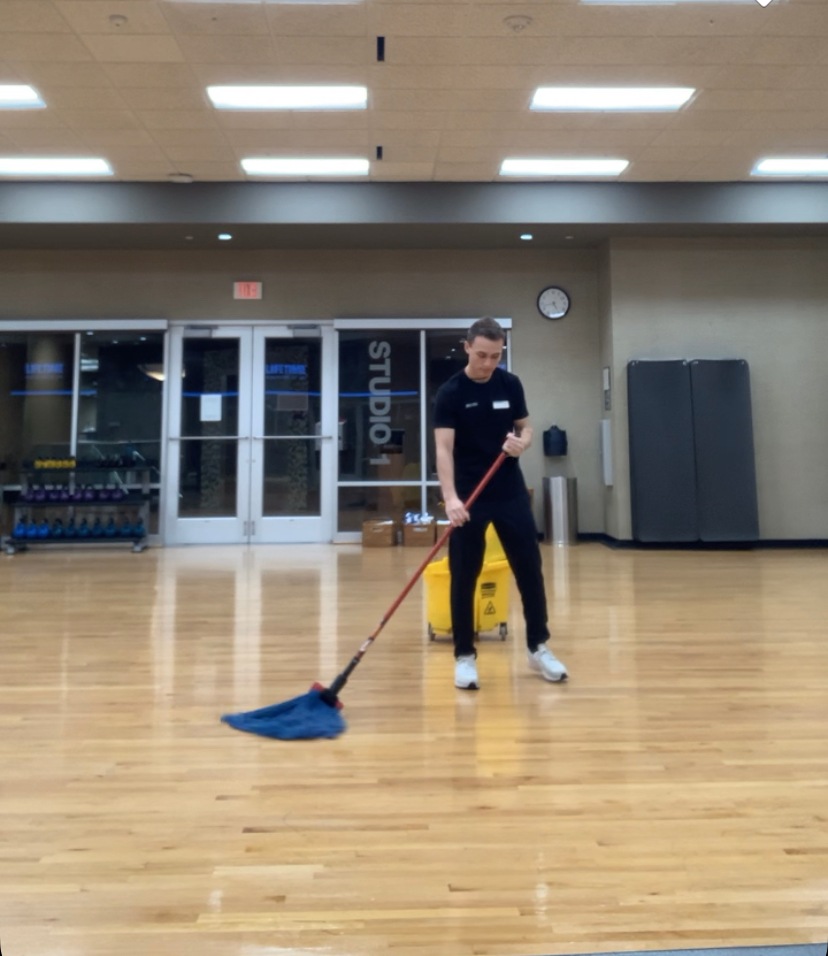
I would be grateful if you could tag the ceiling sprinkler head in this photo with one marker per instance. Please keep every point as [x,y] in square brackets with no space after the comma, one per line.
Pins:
[517,23]
[118,20]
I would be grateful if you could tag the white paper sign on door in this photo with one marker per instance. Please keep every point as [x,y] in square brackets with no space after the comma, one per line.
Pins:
[211,408]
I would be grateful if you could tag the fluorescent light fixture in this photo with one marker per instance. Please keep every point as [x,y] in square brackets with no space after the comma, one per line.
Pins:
[629,3]
[288,97]
[20,97]
[261,2]
[611,97]
[563,167]
[791,166]
[53,166]
[305,167]
[526,236]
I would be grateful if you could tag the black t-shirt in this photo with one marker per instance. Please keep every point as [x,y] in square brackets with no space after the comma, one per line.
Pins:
[482,414]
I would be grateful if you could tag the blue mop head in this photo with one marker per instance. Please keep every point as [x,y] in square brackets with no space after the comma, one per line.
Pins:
[301,718]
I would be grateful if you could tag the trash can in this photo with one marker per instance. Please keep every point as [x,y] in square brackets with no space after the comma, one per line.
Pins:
[560,510]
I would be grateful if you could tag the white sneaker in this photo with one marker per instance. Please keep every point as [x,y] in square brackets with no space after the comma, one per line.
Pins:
[465,673]
[545,662]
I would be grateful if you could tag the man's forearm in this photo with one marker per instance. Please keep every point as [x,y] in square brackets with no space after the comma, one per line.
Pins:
[445,473]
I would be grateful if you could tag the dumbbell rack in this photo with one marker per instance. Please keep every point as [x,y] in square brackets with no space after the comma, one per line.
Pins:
[71,494]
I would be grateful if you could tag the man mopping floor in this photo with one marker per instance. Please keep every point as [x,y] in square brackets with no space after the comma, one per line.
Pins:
[473,411]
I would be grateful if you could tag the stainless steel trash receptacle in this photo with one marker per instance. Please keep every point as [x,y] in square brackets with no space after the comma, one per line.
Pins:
[560,510]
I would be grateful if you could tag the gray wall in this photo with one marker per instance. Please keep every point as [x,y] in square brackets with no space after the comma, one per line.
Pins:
[558,361]
[762,300]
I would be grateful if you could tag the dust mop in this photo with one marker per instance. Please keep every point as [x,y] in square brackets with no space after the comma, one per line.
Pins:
[317,713]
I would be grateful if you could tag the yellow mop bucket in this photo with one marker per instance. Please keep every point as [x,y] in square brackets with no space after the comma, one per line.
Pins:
[494,549]
[491,600]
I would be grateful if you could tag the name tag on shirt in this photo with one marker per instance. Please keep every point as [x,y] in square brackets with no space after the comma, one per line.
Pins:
[502,404]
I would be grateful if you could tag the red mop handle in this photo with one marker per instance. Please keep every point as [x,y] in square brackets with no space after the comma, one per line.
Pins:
[440,542]
[329,694]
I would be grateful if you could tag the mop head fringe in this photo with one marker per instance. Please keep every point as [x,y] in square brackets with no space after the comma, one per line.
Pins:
[301,718]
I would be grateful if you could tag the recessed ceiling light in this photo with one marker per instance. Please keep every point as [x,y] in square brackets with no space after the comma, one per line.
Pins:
[19,97]
[526,236]
[563,167]
[305,167]
[611,97]
[791,166]
[225,236]
[53,166]
[289,97]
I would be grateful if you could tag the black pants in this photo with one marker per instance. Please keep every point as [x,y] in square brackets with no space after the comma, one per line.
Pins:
[515,526]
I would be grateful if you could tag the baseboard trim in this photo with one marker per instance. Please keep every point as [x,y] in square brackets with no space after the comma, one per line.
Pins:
[783,949]
[778,543]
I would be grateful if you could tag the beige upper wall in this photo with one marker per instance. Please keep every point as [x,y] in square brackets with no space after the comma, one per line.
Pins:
[557,361]
[764,301]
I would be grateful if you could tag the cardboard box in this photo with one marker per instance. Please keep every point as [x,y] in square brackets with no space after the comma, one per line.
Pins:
[419,534]
[379,533]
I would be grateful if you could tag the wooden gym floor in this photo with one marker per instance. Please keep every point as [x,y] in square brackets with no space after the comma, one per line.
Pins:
[673,794]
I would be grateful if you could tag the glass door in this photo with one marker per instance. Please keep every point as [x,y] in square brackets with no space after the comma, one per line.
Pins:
[249,436]
[292,437]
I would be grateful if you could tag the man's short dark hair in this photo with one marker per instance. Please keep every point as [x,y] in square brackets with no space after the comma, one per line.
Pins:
[488,328]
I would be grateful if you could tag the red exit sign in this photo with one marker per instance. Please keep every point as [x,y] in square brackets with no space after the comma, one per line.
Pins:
[247,290]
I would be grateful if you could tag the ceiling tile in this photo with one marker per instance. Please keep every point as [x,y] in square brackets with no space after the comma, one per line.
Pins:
[322,20]
[133,49]
[192,19]
[217,172]
[270,72]
[42,48]
[177,119]
[31,119]
[227,49]
[135,154]
[30,16]
[99,97]
[198,152]
[347,51]
[663,171]
[466,172]
[99,119]
[146,75]
[46,141]
[191,137]
[49,77]
[102,138]
[166,98]
[401,172]
[93,16]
